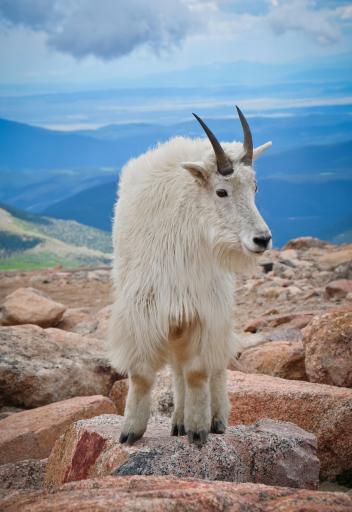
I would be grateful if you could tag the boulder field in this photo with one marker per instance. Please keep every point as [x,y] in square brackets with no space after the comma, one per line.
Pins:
[290,388]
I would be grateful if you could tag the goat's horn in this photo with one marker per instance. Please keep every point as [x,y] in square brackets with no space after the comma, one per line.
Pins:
[247,139]
[224,165]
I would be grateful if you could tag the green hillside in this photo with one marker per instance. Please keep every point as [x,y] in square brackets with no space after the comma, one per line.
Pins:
[29,241]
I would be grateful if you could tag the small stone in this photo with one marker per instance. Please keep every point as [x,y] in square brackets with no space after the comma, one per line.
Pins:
[293,291]
[338,289]
[289,254]
[333,259]
[73,317]
[296,320]
[306,242]
[271,292]
[30,306]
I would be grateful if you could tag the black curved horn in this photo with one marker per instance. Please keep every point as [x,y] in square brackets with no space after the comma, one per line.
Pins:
[223,163]
[247,159]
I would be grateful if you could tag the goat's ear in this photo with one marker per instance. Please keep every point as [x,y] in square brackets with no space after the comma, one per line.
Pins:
[260,149]
[197,170]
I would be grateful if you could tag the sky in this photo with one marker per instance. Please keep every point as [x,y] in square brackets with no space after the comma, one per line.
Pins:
[77,44]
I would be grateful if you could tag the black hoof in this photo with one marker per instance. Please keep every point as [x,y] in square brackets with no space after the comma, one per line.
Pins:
[129,438]
[178,430]
[217,427]
[198,438]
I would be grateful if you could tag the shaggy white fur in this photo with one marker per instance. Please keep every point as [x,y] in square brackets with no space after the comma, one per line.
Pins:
[177,245]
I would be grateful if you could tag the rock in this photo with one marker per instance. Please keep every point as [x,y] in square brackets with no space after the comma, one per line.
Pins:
[267,266]
[148,493]
[82,321]
[338,289]
[295,320]
[29,306]
[103,320]
[7,410]
[283,333]
[293,291]
[271,292]
[289,254]
[27,474]
[324,410]
[39,366]
[289,273]
[162,395]
[277,358]
[118,395]
[328,347]
[31,434]
[306,242]
[333,259]
[73,317]
[268,452]
[343,271]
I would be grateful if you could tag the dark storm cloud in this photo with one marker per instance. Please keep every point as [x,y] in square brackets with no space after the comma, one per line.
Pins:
[106,29]
[36,14]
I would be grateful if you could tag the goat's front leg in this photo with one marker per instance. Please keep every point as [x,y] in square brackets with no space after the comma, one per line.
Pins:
[197,404]
[137,408]
[178,421]
[220,406]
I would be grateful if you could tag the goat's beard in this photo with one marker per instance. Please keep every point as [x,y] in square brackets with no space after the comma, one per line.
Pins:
[236,259]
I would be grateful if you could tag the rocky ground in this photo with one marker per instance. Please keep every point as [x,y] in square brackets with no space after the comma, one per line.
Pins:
[290,389]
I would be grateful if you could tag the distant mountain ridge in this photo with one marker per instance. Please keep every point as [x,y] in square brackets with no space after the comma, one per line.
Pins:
[298,168]
[32,241]
[292,209]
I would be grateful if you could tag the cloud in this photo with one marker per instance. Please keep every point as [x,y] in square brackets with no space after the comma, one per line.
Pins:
[109,29]
[36,14]
[302,16]
[105,29]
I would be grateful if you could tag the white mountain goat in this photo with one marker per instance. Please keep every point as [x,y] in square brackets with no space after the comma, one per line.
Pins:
[185,222]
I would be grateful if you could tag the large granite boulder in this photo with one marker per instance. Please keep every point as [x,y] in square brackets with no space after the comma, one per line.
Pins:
[40,366]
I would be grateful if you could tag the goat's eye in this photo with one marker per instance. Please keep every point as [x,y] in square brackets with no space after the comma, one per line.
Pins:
[222,192]
[256,188]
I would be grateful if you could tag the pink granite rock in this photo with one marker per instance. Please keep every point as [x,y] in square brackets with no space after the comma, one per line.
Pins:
[338,289]
[31,434]
[328,348]
[30,306]
[324,410]
[277,358]
[39,366]
[270,452]
[332,259]
[26,474]
[294,320]
[165,494]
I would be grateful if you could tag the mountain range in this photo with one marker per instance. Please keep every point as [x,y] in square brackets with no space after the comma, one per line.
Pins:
[30,241]
[304,180]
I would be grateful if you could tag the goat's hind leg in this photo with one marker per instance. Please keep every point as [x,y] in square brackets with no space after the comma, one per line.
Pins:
[137,408]
[219,402]
[197,404]
[178,422]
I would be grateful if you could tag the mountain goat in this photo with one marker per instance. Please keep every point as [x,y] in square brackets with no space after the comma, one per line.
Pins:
[185,222]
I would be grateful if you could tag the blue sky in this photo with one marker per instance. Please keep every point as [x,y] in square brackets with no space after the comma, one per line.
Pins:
[84,43]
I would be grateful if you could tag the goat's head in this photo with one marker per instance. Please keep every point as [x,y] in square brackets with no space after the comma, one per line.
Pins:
[228,182]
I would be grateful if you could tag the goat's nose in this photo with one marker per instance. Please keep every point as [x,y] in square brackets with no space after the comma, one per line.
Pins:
[262,241]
